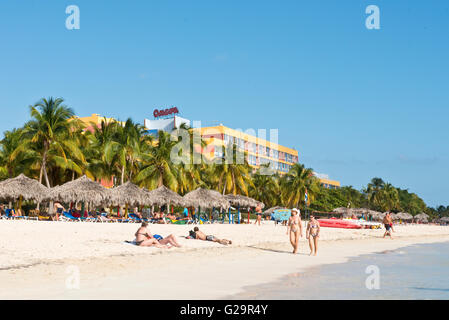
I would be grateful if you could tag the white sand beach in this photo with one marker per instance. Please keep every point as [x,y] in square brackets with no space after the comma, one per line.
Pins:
[37,258]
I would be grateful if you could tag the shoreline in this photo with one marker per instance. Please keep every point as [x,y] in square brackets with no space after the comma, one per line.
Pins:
[295,285]
[200,270]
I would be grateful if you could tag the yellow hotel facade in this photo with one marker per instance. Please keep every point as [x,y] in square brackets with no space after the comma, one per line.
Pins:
[260,151]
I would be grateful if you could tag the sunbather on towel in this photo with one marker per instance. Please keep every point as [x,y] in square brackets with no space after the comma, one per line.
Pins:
[145,239]
[201,236]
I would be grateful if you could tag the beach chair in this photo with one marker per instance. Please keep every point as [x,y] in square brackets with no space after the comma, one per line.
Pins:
[9,215]
[66,216]
[134,218]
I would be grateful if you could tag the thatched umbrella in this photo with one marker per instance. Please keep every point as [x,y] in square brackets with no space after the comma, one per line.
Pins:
[163,195]
[204,198]
[272,210]
[23,188]
[403,216]
[128,194]
[445,219]
[81,190]
[349,212]
[243,201]
[422,217]
[376,215]
[341,210]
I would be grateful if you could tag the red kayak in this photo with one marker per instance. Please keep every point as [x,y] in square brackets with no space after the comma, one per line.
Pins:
[337,223]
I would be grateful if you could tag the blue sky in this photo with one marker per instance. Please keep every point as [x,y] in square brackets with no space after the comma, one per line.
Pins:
[356,103]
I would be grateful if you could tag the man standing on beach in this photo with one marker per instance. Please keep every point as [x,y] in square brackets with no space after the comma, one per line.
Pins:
[388,222]
[258,214]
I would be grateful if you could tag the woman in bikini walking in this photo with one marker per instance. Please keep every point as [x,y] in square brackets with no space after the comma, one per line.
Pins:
[295,227]
[312,234]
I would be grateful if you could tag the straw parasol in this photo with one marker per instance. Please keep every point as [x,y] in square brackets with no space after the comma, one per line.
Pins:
[129,194]
[243,201]
[349,212]
[22,187]
[81,190]
[341,210]
[163,195]
[444,219]
[272,210]
[403,216]
[206,199]
[422,217]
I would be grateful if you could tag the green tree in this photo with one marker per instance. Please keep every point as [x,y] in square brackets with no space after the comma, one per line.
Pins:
[157,168]
[49,134]
[295,183]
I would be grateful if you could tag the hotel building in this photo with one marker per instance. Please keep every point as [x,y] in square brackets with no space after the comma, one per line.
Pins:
[326,182]
[259,150]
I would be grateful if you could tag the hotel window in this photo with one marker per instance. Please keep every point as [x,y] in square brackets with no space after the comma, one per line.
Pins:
[253,148]
[241,144]
[218,153]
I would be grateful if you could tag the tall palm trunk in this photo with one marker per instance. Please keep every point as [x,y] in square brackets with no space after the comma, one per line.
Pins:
[44,168]
[122,180]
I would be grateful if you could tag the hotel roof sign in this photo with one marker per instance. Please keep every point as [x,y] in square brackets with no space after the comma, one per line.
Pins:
[165,112]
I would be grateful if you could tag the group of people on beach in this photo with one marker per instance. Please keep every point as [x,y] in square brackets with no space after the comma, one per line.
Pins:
[144,238]
[295,231]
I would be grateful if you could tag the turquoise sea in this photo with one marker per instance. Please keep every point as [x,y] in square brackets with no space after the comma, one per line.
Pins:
[414,272]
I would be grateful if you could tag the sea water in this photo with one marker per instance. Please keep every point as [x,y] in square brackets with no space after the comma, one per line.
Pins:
[413,272]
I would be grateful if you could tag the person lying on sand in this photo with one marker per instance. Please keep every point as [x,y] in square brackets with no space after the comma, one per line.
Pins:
[201,236]
[145,239]
[171,217]
[137,213]
[159,217]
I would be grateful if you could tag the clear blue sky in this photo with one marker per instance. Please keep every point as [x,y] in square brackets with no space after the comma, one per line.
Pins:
[356,103]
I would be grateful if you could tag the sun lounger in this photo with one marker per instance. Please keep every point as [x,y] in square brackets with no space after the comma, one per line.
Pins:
[134,218]
[66,216]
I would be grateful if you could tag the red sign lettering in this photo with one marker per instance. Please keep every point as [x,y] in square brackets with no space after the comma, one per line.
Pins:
[160,113]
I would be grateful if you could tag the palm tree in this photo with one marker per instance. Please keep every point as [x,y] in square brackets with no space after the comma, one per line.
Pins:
[98,138]
[389,197]
[49,134]
[10,166]
[265,188]
[189,173]
[124,148]
[374,192]
[157,168]
[296,182]
[231,175]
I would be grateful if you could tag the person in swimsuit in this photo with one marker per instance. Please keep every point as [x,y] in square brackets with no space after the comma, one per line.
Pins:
[145,239]
[259,214]
[201,236]
[294,225]
[312,234]
[388,222]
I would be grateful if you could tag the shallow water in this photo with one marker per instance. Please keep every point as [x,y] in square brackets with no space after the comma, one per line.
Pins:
[414,272]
